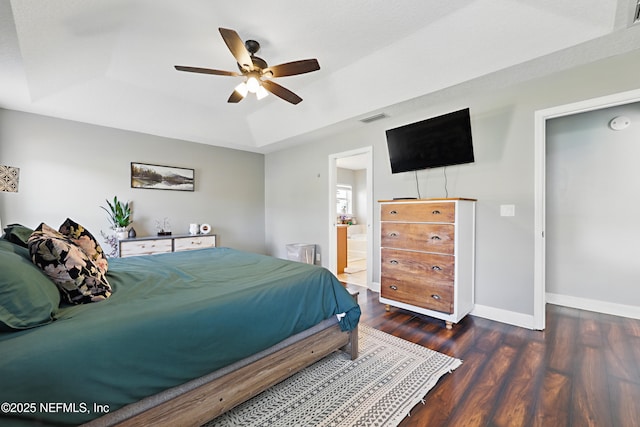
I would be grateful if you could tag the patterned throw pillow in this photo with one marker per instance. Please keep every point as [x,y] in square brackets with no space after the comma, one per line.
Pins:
[85,240]
[76,275]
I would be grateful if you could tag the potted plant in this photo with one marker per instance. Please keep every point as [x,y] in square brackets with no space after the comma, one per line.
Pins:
[119,215]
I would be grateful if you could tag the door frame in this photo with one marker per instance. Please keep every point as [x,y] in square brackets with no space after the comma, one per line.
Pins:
[333,181]
[540,143]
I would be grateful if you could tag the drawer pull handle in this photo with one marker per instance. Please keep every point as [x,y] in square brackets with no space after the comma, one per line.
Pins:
[394,287]
[436,212]
[394,212]
[435,238]
[436,297]
[436,268]
[394,234]
[394,262]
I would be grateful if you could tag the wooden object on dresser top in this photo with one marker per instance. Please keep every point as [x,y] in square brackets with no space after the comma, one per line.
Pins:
[163,244]
[428,256]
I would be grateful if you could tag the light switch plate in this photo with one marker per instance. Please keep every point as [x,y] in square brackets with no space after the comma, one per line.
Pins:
[507,210]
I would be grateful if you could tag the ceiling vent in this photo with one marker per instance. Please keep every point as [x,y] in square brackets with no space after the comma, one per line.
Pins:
[373,118]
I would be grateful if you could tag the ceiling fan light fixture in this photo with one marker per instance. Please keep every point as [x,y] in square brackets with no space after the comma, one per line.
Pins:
[253,84]
[256,72]
[242,89]
[261,92]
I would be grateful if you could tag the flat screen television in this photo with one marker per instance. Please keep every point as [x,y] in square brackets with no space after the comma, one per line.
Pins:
[439,141]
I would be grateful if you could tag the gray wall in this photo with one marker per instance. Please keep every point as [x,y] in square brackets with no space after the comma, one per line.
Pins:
[360,196]
[297,198]
[592,206]
[357,179]
[68,169]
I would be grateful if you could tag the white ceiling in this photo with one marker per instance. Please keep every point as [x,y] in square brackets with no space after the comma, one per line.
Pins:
[110,62]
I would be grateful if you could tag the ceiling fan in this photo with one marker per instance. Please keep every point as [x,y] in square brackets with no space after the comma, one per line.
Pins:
[257,72]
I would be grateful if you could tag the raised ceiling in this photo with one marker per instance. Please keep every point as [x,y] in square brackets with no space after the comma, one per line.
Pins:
[110,62]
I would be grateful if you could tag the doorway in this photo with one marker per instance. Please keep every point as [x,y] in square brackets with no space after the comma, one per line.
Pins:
[350,216]
[541,118]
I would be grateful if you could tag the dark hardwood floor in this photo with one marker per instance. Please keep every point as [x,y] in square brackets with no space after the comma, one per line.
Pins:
[583,370]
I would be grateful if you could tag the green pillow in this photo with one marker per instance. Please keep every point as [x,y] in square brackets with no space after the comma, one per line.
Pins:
[18,234]
[27,297]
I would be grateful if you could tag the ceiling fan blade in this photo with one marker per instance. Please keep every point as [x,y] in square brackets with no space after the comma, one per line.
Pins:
[281,92]
[237,48]
[293,68]
[235,97]
[206,71]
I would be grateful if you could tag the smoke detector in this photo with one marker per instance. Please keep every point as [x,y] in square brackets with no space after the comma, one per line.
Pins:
[620,123]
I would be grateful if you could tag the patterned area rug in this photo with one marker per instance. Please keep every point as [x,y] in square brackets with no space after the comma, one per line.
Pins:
[379,388]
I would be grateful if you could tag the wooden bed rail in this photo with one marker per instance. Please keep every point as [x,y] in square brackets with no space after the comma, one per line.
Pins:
[212,399]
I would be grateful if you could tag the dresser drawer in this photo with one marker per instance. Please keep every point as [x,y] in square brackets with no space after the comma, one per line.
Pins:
[438,238]
[418,212]
[432,296]
[144,247]
[417,266]
[193,242]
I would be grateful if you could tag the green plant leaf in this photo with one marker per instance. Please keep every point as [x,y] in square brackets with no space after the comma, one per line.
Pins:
[119,212]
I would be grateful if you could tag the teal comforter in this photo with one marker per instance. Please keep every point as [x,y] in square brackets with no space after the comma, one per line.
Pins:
[171,318]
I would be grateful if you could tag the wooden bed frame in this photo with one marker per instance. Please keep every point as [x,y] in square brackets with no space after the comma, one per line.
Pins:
[207,401]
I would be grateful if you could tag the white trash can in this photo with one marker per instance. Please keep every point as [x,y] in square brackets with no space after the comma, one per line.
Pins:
[301,252]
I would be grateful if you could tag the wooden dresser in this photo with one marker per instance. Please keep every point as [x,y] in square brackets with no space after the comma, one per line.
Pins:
[427,256]
[163,244]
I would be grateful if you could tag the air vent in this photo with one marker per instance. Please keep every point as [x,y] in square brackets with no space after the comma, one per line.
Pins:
[373,118]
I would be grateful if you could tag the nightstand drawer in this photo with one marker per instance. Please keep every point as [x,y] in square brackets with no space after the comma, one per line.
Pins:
[193,242]
[144,247]
[418,212]
[438,238]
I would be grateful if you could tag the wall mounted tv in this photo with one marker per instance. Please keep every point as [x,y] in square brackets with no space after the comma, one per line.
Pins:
[439,141]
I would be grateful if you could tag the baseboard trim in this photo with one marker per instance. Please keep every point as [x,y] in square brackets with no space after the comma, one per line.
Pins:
[504,316]
[375,287]
[490,313]
[527,320]
[597,306]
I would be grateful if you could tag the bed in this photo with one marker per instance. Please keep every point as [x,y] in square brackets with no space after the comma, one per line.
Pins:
[182,338]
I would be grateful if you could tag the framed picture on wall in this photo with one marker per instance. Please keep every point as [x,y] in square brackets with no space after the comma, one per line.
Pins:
[157,177]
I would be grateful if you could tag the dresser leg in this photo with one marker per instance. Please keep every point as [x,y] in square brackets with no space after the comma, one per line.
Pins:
[448,324]
[387,307]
